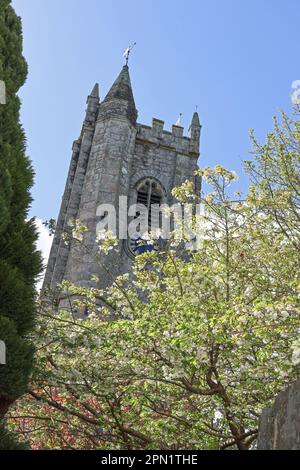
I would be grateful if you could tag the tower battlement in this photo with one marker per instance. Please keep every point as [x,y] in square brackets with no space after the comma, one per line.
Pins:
[174,139]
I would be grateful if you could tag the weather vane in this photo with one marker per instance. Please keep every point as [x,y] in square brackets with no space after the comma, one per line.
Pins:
[127,52]
[178,122]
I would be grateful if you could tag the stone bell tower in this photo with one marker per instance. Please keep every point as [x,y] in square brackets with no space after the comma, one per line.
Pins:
[116,156]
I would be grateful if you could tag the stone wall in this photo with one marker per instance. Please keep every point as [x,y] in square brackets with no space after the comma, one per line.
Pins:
[280,424]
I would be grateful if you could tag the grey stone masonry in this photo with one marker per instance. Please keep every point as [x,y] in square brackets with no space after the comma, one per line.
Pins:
[112,157]
[70,202]
[280,425]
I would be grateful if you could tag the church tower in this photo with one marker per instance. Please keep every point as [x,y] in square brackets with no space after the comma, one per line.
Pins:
[116,156]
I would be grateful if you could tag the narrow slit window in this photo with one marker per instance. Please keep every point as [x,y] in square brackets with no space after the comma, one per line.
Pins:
[149,194]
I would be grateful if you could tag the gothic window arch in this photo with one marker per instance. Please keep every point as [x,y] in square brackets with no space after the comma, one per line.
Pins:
[148,192]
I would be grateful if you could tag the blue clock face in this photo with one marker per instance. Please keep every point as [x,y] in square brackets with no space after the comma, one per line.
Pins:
[138,246]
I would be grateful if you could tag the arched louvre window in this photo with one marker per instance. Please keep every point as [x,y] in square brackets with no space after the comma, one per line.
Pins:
[149,193]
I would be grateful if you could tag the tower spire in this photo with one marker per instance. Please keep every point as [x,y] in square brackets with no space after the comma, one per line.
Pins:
[195,121]
[92,105]
[195,131]
[95,91]
[119,100]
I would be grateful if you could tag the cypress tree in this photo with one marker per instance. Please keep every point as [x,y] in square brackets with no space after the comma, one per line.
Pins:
[20,263]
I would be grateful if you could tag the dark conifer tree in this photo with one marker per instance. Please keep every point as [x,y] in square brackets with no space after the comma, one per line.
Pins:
[20,263]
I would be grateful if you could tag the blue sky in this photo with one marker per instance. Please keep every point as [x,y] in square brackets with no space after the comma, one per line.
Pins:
[235,59]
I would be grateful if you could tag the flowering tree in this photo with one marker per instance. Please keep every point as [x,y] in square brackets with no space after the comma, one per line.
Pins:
[188,352]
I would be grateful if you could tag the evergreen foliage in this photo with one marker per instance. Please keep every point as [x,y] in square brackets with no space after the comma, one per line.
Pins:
[20,263]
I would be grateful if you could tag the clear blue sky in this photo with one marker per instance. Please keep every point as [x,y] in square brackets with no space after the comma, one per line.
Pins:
[235,59]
